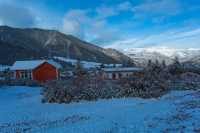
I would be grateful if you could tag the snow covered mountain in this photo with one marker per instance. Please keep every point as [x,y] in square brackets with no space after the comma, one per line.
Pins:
[142,55]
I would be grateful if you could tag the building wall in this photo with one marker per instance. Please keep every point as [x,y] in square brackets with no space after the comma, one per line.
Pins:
[17,74]
[45,72]
[119,75]
[112,75]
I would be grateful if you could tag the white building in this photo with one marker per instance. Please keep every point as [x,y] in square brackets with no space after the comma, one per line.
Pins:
[4,68]
[122,72]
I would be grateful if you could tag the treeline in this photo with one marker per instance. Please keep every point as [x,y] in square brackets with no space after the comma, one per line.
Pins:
[157,79]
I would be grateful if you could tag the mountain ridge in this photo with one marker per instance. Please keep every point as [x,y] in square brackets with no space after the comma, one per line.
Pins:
[142,55]
[42,43]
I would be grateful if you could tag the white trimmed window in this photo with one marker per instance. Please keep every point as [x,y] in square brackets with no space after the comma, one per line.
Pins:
[26,75]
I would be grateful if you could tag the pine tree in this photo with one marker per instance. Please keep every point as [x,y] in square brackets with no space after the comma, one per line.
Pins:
[79,74]
[129,63]
[157,63]
[79,70]
[102,66]
[164,64]
[149,64]
[7,74]
[176,68]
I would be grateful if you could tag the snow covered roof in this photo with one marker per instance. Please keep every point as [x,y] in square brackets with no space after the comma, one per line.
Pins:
[86,64]
[123,69]
[32,64]
[3,68]
[113,65]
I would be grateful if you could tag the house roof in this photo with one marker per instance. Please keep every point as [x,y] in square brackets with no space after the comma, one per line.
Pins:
[3,68]
[123,69]
[32,64]
[85,64]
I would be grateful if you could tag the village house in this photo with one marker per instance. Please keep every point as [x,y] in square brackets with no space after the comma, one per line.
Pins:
[121,72]
[3,68]
[4,72]
[38,70]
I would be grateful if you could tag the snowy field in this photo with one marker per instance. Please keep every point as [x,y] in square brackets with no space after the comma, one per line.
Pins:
[21,111]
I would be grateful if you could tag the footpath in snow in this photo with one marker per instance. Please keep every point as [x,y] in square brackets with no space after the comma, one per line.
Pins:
[21,111]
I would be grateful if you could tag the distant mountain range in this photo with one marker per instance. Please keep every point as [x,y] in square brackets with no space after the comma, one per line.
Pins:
[142,55]
[33,43]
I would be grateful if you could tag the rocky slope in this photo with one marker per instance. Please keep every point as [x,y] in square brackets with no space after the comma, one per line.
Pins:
[126,60]
[20,44]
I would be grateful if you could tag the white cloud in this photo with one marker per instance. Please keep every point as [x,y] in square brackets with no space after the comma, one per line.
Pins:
[92,28]
[157,10]
[195,32]
[125,6]
[75,21]
[168,7]
[109,11]
[177,38]
[114,10]
[78,15]
[122,44]
[13,15]
[104,12]
[71,27]
[95,28]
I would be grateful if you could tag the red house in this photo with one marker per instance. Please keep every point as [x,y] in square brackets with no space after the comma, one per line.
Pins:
[39,70]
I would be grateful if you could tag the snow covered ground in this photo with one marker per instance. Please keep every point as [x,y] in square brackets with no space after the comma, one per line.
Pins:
[21,111]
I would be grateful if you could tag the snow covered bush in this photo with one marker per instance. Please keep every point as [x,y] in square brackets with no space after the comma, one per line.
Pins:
[86,86]
[156,80]
[93,87]
[56,92]
[187,81]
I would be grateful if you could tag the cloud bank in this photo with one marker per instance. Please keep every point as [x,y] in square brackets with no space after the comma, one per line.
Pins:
[16,16]
[173,39]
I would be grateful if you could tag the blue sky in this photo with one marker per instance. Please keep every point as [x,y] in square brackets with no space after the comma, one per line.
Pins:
[118,24]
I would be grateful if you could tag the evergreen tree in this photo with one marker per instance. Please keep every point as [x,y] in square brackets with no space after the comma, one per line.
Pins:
[79,75]
[149,64]
[164,64]
[157,63]
[128,63]
[79,70]
[176,67]
[102,66]
[7,74]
